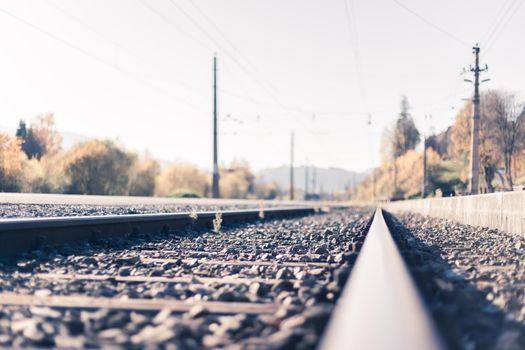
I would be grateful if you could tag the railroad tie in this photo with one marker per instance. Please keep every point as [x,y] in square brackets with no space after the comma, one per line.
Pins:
[83,302]
[161,279]
[242,262]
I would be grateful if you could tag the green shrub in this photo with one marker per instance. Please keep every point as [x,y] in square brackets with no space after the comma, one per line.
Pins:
[184,194]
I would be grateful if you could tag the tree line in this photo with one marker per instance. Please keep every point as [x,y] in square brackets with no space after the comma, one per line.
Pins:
[33,160]
[502,152]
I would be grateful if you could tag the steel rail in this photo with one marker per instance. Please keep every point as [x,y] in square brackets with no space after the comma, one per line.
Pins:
[24,234]
[380,307]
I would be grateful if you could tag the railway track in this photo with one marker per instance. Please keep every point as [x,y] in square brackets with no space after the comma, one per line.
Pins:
[20,235]
[262,280]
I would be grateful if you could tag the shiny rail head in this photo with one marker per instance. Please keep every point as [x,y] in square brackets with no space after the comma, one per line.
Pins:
[380,307]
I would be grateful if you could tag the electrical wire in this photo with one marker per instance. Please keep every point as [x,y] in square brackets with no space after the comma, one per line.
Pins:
[228,41]
[110,41]
[504,21]
[354,37]
[208,47]
[239,53]
[228,53]
[175,26]
[96,58]
[501,12]
[423,19]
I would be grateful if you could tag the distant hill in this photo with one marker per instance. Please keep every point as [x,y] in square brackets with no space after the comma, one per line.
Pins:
[328,179]
[69,139]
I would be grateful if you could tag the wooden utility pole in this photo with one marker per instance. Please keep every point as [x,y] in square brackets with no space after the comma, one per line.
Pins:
[291,166]
[474,140]
[215,180]
[369,123]
[424,180]
[306,179]
[314,180]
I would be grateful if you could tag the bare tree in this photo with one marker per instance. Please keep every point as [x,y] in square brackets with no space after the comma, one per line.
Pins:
[509,113]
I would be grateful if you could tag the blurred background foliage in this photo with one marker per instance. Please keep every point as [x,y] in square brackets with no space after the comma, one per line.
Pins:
[502,152]
[33,160]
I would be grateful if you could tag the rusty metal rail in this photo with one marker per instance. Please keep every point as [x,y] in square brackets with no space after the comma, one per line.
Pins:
[25,234]
[380,307]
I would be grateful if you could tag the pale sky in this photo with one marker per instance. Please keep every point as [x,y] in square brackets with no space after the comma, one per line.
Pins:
[141,71]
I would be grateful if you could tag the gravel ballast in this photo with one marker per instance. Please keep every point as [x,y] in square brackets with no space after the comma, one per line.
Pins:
[305,295]
[471,277]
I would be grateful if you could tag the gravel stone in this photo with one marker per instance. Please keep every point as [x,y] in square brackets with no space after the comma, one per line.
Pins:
[66,342]
[124,271]
[8,210]
[471,277]
[128,260]
[284,274]
[317,238]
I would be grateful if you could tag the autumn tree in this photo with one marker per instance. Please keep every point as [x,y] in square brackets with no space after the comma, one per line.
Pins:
[237,181]
[268,190]
[410,174]
[97,167]
[460,135]
[46,175]
[400,138]
[44,130]
[21,131]
[143,173]
[29,144]
[501,135]
[41,138]
[13,165]
[177,179]
[508,112]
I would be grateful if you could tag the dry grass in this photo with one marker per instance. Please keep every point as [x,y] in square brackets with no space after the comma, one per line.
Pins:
[193,214]
[261,210]
[217,222]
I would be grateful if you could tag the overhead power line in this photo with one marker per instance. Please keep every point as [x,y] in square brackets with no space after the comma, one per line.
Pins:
[105,38]
[225,51]
[228,41]
[252,74]
[354,37]
[176,26]
[179,29]
[502,23]
[428,22]
[217,46]
[495,22]
[97,58]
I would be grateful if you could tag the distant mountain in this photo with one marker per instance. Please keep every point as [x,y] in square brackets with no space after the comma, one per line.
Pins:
[328,180]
